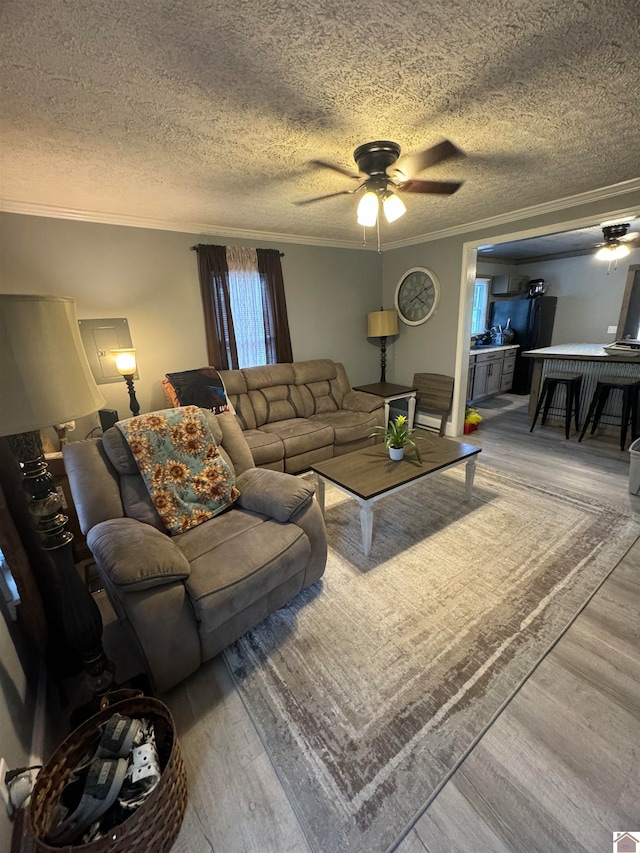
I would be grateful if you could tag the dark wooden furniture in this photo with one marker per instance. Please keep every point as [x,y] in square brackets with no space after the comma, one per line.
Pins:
[630,392]
[572,383]
[434,395]
[368,475]
[389,392]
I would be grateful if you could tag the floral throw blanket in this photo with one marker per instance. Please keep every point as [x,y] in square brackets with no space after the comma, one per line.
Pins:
[187,478]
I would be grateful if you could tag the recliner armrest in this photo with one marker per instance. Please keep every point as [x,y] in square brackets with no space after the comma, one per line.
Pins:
[135,555]
[358,401]
[273,493]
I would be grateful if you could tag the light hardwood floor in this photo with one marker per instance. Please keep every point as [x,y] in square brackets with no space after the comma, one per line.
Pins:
[559,770]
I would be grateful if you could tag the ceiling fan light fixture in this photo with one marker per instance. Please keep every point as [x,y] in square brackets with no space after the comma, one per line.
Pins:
[368,209]
[612,252]
[393,207]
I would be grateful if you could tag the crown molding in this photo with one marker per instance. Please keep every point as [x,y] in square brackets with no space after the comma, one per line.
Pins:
[601,194]
[197,228]
[194,228]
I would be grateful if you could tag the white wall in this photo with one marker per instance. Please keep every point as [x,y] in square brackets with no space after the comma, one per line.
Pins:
[589,296]
[150,277]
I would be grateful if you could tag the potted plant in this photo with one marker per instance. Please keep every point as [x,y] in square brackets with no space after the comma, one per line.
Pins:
[397,435]
[471,420]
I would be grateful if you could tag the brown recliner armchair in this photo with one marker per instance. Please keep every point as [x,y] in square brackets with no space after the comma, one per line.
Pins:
[188,596]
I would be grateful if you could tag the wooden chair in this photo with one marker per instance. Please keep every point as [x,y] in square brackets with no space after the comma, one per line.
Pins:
[434,395]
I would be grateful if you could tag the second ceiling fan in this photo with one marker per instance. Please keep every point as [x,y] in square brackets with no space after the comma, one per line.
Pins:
[382,173]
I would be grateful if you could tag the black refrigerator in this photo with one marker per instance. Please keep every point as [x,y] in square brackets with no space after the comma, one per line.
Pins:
[532,321]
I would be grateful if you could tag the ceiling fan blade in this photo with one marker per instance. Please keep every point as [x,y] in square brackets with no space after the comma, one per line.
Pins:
[330,195]
[327,165]
[436,187]
[412,164]
[630,237]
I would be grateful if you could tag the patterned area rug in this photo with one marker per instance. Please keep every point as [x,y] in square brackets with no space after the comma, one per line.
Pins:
[372,685]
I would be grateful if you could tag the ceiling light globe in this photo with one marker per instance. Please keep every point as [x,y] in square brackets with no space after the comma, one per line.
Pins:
[393,207]
[613,252]
[368,209]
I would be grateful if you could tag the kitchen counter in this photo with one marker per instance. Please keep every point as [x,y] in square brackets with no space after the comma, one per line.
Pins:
[578,352]
[590,360]
[474,350]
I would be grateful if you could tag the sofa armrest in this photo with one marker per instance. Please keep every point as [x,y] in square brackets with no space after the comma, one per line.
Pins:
[135,555]
[273,493]
[359,401]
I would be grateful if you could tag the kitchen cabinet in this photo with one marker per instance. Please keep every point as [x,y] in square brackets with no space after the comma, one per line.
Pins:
[490,372]
[508,366]
[502,285]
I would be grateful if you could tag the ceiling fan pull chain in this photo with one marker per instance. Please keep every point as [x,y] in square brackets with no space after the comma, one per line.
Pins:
[378,230]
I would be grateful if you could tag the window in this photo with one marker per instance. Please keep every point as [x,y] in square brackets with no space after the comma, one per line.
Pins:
[245,312]
[247,300]
[480,303]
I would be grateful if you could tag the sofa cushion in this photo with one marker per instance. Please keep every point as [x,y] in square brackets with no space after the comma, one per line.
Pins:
[347,426]
[264,447]
[273,393]
[243,562]
[238,398]
[136,500]
[319,388]
[300,435]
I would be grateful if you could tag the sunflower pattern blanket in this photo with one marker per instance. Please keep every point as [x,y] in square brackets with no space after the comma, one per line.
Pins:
[181,465]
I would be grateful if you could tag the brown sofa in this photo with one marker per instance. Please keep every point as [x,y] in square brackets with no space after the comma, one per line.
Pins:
[293,415]
[188,596]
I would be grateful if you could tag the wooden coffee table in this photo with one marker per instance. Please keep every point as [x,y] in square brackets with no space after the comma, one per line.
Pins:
[368,475]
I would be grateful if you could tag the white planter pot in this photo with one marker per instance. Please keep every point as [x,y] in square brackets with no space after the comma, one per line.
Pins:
[396,453]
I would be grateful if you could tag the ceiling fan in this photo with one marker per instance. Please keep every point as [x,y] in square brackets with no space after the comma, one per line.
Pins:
[382,173]
[616,242]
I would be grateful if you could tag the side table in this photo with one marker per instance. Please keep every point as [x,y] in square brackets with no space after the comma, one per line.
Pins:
[390,392]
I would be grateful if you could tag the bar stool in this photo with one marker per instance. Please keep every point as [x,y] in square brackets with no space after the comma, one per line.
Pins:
[630,391]
[572,383]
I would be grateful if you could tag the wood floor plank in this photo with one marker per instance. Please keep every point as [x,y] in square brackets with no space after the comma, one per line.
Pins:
[411,844]
[236,803]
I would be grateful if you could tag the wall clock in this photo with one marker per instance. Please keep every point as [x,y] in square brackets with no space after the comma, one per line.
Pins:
[417,296]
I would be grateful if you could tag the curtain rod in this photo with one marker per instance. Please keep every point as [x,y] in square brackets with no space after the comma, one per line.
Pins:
[195,249]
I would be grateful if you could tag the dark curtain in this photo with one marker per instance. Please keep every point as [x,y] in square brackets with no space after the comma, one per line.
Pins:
[218,322]
[276,323]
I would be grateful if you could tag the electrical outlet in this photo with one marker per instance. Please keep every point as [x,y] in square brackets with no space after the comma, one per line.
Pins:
[611,330]
[4,791]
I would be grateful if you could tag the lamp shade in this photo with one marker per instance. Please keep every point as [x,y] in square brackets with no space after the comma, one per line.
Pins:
[45,377]
[368,209]
[125,361]
[382,323]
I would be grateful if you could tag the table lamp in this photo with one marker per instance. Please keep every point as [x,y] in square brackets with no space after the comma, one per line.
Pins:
[125,359]
[380,324]
[46,380]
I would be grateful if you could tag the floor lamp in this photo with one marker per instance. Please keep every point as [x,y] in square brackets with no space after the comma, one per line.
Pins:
[46,380]
[381,324]
[126,366]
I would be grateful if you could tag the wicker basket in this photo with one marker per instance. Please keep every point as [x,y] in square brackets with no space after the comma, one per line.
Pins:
[153,827]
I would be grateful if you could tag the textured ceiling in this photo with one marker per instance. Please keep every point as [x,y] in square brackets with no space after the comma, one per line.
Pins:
[578,242]
[207,112]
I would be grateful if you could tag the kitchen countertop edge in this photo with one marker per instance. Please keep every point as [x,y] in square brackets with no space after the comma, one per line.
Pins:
[476,350]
